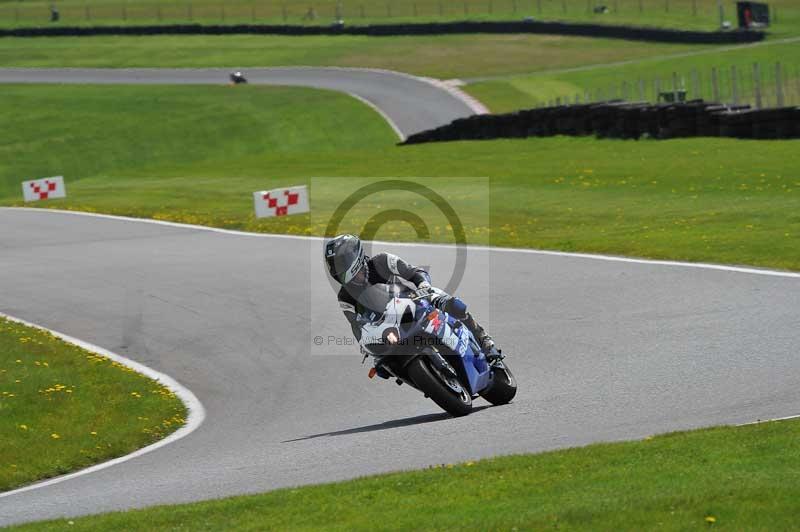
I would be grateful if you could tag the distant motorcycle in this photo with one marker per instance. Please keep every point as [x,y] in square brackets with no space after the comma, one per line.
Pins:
[237,78]
[428,349]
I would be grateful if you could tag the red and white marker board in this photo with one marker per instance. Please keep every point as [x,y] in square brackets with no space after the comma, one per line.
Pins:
[45,188]
[281,201]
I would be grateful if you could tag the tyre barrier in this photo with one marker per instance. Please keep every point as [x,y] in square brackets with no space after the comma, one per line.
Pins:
[429,28]
[619,119]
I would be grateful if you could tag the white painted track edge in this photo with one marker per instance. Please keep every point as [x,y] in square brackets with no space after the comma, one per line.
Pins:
[194,419]
[588,256]
[380,112]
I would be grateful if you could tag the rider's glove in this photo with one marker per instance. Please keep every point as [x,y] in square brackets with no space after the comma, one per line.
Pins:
[423,292]
[424,284]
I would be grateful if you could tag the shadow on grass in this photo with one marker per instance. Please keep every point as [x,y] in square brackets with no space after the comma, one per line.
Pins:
[396,423]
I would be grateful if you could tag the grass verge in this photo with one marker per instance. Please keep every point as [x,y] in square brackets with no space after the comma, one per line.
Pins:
[710,200]
[446,56]
[519,92]
[686,14]
[734,478]
[63,408]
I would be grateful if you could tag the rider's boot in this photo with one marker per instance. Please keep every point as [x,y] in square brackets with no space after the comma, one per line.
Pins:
[484,340]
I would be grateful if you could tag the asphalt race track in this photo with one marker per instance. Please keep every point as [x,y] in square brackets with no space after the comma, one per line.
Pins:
[413,104]
[603,350]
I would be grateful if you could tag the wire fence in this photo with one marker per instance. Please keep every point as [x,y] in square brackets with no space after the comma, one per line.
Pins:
[676,13]
[758,85]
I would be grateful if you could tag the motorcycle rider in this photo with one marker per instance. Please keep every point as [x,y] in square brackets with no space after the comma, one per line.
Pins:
[354,271]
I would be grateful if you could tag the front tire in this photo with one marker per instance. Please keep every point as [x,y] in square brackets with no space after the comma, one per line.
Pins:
[504,386]
[454,403]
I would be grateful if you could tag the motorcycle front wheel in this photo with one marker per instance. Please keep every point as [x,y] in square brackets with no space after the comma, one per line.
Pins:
[504,385]
[445,391]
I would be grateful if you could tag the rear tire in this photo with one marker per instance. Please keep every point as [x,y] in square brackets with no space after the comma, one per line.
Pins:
[431,385]
[504,386]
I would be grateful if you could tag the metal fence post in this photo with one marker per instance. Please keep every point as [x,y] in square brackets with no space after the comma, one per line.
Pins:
[757,84]
[657,89]
[735,85]
[779,85]
[797,84]
[695,84]
[675,86]
[714,85]
[641,89]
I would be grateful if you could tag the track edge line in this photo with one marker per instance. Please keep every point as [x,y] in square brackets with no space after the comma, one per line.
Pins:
[195,418]
[531,251]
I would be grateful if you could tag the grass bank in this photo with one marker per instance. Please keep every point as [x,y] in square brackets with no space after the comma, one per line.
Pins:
[63,408]
[743,478]
[687,14]
[510,93]
[711,200]
[448,56]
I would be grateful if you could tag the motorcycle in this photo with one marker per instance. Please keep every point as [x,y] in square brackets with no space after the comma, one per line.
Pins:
[237,78]
[430,350]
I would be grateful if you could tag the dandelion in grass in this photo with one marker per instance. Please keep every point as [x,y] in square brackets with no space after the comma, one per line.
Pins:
[55,436]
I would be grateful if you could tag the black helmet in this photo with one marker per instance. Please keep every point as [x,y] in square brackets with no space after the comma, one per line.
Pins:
[344,256]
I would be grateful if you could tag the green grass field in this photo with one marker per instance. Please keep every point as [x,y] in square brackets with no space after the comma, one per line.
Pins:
[443,57]
[509,93]
[687,14]
[63,408]
[743,478]
[155,154]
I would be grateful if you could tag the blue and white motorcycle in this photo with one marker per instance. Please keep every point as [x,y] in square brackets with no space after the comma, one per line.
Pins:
[430,350]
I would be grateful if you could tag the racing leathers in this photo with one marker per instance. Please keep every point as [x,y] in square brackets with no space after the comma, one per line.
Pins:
[387,268]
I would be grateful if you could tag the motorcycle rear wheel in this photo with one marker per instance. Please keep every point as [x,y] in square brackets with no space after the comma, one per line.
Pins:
[504,386]
[452,402]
